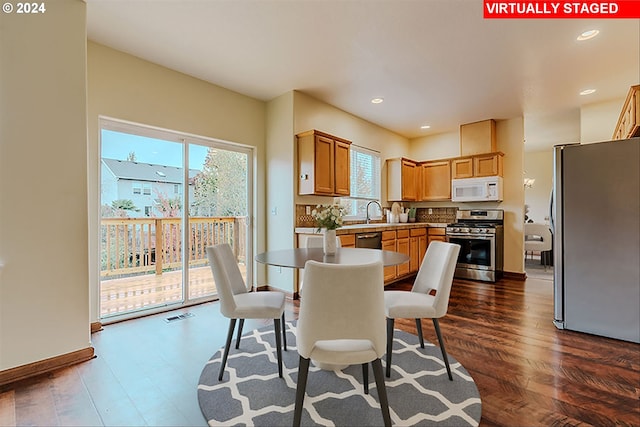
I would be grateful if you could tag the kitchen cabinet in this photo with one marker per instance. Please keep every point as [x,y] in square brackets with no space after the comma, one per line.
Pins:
[417,248]
[389,244]
[436,233]
[488,164]
[402,180]
[323,164]
[478,138]
[629,122]
[435,178]
[348,240]
[402,246]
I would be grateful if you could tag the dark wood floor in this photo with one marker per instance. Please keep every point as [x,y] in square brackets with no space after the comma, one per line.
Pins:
[528,372]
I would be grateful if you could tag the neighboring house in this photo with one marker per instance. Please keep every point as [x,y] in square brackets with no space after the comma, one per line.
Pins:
[142,183]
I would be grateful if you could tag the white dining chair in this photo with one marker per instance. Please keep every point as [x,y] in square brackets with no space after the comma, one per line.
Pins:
[341,322]
[429,297]
[537,237]
[237,303]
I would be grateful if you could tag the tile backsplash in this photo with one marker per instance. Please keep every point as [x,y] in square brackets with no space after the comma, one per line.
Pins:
[437,215]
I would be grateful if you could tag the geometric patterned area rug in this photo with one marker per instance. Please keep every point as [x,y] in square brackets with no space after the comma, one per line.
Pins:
[419,390]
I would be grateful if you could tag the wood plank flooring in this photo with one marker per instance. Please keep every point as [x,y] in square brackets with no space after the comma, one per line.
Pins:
[528,372]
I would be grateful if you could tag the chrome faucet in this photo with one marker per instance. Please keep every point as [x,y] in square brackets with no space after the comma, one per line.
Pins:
[373,201]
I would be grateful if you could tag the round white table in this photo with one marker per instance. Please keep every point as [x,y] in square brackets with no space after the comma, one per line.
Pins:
[296,258]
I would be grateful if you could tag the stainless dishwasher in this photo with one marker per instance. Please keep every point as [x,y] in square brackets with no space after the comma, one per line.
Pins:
[369,240]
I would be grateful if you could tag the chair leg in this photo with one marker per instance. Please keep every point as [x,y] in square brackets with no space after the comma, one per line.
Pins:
[240,326]
[389,344]
[232,325]
[365,377]
[276,324]
[382,391]
[303,371]
[284,333]
[419,328]
[436,325]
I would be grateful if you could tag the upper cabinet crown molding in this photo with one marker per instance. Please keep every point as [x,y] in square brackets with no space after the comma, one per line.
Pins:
[478,138]
[629,122]
[323,164]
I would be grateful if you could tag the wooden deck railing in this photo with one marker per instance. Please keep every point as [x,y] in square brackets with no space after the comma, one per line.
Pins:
[132,246]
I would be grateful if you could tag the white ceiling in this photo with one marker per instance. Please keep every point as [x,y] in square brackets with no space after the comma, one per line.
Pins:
[435,62]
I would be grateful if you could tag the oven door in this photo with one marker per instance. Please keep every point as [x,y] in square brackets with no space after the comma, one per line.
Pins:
[477,252]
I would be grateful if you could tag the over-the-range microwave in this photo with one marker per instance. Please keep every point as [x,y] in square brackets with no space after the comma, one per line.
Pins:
[485,189]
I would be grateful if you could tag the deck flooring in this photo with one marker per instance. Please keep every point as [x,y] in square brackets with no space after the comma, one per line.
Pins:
[124,295]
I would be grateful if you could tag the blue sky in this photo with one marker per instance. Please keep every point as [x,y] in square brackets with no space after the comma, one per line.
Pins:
[117,145]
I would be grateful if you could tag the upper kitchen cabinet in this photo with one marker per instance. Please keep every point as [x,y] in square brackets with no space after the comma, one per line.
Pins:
[488,164]
[402,180]
[435,180]
[478,138]
[629,122]
[323,164]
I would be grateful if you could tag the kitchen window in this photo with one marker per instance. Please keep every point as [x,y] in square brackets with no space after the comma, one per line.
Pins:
[365,183]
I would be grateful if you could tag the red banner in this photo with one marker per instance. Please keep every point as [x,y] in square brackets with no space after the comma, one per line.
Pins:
[517,9]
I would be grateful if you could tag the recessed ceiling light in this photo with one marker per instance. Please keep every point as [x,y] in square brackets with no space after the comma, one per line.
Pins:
[588,35]
[377,100]
[587,92]
[425,127]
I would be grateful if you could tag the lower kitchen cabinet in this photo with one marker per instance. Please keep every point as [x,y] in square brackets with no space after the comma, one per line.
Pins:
[389,244]
[436,233]
[402,246]
[417,248]
[348,240]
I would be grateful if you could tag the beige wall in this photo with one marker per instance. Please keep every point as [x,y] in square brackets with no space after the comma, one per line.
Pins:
[539,166]
[440,146]
[43,189]
[280,186]
[124,87]
[597,121]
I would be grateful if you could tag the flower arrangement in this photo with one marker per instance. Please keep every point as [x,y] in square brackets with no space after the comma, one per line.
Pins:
[328,216]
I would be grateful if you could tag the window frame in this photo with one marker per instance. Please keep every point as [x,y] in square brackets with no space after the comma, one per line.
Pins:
[354,198]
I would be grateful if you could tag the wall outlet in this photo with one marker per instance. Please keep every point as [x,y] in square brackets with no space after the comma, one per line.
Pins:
[307,210]
[430,211]
[274,211]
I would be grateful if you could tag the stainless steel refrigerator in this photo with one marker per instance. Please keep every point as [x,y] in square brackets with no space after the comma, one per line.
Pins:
[595,219]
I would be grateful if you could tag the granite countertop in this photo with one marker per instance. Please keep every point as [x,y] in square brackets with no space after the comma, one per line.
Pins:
[381,226]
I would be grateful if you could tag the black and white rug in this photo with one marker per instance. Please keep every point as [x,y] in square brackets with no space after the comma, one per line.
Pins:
[252,394]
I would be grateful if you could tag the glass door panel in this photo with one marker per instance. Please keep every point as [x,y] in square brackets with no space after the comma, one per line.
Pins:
[141,223]
[218,211]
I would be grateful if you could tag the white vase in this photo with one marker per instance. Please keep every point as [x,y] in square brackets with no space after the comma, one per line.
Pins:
[329,242]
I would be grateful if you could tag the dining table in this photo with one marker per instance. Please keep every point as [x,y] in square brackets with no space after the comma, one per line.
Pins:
[297,257]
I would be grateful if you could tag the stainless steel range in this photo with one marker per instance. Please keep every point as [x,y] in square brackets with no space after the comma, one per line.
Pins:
[480,234]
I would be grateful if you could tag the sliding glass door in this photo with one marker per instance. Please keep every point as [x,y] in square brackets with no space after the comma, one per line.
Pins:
[152,248]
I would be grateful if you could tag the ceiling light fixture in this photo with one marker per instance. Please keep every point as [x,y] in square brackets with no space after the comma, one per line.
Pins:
[588,35]
[377,100]
[587,92]
[425,127]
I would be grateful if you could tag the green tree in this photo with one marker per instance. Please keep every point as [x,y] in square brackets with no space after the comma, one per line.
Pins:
[221,188]
[122,206]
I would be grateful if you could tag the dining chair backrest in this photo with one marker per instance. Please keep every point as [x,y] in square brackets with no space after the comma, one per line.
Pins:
[227,276]
[537,237]
[317,242]
[342,302]
[436,274]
